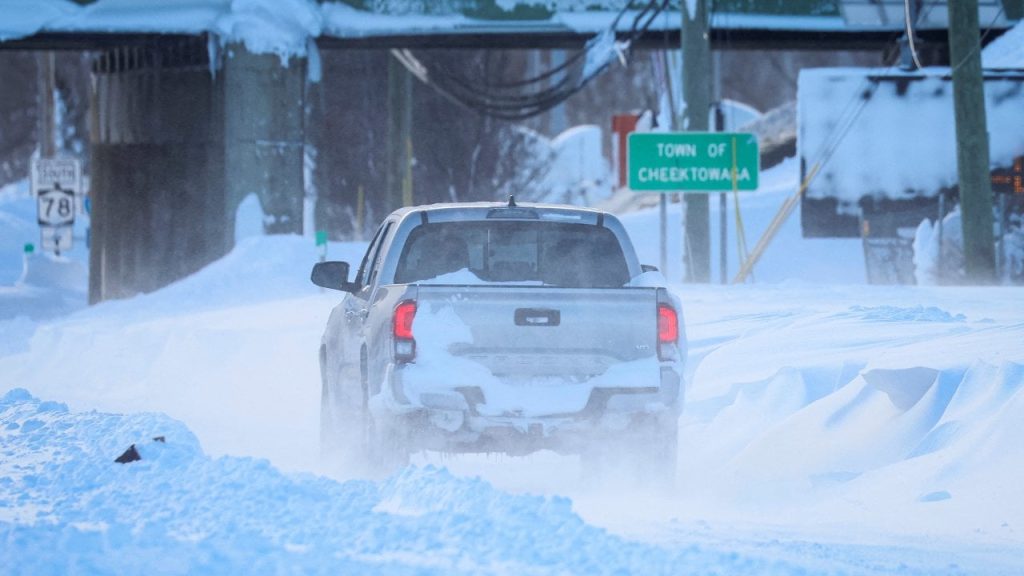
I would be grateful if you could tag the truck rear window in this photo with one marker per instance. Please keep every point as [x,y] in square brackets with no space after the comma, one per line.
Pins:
[548,253]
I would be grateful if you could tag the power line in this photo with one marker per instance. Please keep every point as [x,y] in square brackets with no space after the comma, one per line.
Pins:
[910,33]
[519,99]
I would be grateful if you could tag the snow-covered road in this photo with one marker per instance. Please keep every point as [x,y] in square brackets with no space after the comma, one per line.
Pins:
[840,429]
[849,429]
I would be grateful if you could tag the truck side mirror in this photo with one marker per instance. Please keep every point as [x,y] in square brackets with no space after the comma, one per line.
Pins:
[333,275]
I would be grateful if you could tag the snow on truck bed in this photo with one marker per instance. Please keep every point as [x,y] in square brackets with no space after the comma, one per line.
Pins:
[828,429]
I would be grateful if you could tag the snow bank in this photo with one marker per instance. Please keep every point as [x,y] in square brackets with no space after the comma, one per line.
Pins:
[232,334]
[890,412]
[916,449]
[66,507]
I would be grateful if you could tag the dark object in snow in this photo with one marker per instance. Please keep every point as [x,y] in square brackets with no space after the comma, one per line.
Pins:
[130,455]
[511,201]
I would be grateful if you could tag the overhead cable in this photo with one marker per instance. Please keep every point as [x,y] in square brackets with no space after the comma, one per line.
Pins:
[520,99]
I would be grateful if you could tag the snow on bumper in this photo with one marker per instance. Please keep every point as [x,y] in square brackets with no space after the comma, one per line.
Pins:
[470,405]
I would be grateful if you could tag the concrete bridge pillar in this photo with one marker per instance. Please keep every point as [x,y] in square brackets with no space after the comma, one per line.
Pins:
[264,135]
[177,142]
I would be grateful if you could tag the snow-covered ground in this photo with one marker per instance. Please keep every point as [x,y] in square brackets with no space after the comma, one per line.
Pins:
[831,427]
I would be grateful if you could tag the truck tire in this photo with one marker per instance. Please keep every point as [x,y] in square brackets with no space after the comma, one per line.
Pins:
[343,427]
[384,447]
[657,456]
[387,450]
[645,457]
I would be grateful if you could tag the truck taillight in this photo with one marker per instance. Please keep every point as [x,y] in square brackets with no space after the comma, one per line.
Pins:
[401,329]
[668,332]
[668,325]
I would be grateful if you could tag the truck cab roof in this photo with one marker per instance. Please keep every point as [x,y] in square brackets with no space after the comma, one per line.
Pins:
[460,211]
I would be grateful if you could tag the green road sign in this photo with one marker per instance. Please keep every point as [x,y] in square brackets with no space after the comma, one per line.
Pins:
[692,161]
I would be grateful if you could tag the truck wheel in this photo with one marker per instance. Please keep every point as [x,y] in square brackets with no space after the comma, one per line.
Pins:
[657,455]
[645,457]
[342,422]
[387,449]
[384,444]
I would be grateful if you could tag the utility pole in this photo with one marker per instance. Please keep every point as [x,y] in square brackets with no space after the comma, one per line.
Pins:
[696,46]
[399,137]
[972,152]
[47,86]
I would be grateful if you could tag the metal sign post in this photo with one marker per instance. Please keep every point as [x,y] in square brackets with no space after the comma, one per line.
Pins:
[56,238]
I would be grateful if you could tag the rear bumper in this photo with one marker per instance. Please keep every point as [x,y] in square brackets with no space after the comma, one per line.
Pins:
[457,419]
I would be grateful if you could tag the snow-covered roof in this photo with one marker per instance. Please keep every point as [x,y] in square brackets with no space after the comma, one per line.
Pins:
[893,133]
[265,26]
[284,27]
[930,15]
[1007,51]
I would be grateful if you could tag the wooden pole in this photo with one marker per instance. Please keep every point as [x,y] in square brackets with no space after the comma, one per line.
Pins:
[972,152]
[696,47]
[399,137]
[47,85]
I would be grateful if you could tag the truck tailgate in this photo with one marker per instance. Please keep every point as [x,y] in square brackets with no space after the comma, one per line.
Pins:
[536,331]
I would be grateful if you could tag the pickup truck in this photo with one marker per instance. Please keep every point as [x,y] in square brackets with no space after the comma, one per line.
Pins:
[493,327]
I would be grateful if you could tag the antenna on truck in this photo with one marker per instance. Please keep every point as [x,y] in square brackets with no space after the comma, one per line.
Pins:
[511,201]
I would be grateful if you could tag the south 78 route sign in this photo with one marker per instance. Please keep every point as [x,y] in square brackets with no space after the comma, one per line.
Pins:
[55,183]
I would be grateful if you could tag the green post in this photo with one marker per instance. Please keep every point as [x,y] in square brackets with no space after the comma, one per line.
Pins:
[972,152]
[321,243]
[696,46]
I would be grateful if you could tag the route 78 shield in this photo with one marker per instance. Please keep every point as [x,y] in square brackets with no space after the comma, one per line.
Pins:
[56,207]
